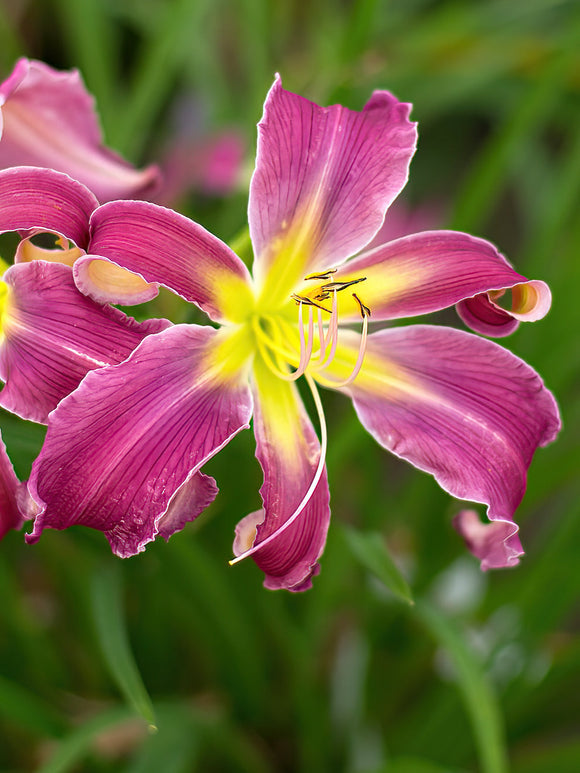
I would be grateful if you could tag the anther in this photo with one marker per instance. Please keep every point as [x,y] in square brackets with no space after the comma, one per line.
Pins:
[338,286]
[308,302]
[321,277]
[364,310]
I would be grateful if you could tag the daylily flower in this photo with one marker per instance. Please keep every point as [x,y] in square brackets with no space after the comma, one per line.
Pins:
[48,119]
[51,334]
[122,449]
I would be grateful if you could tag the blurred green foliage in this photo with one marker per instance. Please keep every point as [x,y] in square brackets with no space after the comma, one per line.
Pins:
[481,674]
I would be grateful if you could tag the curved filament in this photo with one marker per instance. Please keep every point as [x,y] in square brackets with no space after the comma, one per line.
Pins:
[311,489]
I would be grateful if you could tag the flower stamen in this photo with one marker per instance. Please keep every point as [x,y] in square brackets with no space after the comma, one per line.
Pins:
[321,277]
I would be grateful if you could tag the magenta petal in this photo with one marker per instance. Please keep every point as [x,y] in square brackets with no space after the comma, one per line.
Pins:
[121,446]
[53,336]
[481,315]
[165,247]
[191,499]
[325,177]
[458,406]
[49,120]
[288,451]
[10,517]
[33,199]
[433,270]
[496,544]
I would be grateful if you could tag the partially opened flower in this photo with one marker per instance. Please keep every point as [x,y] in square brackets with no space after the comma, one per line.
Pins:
[48,119]
[122,449]
[51,334]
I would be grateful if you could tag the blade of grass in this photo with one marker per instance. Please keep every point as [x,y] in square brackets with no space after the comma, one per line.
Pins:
[534,109]
[173,749]
[479,698]
[75,746]
[370,549]
[25,709]
[154,73]
[92,40]
[114,642]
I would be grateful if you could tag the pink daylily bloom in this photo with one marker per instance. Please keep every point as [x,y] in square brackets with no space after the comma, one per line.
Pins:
[48,119]
[37,201]
[51,334]
[211,166]
[121,450]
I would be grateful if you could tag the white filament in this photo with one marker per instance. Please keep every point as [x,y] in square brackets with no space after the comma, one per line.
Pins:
[307,497]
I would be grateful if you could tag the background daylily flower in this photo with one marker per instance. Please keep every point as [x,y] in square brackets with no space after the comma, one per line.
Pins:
[48,119]
[122,448]
[50,333]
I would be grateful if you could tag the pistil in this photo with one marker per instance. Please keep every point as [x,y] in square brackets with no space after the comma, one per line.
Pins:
[311,489]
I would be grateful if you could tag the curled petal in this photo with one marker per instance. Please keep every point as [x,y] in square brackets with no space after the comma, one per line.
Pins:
[496,544]
[433,270]
[289,453]
[324,179]
[120,449]
[529,301]
[165,247]
[191,499]
[49,120]
[34,200]
[52,336]
[28,251]
[10,517]
[106,282]
[457,406]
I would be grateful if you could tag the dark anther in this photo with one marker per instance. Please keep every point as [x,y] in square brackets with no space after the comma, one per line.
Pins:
[308,302]
[364,310]
[323,276]
[338,286]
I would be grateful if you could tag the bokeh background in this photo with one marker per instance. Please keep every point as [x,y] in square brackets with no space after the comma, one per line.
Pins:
[482,672]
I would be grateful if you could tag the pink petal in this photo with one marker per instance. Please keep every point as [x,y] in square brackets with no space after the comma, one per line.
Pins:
[120,448]
[324,179]
[212,166]
[459,407]
[288,451]
[429,271]
[165,247]
[33,199]
[191,499]
[496,544]
[49,120]
[53,336]
[10,517]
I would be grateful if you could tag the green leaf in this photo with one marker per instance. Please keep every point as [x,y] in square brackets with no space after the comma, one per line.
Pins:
[75,746]
[415,765]
[370,549]
[174,748]
[480,701]
[23,708]
[114,642]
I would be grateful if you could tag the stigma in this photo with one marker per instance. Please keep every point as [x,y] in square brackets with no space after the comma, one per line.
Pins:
[318,332]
